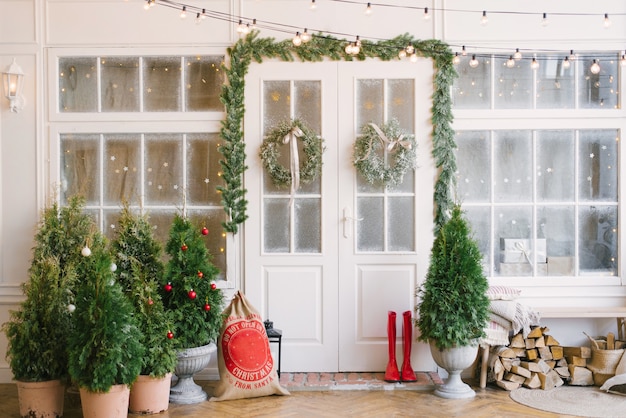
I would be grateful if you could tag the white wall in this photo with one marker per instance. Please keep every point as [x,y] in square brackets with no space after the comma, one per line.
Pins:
[28,28]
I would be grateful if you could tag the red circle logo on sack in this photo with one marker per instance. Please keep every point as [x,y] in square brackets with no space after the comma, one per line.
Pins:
[246,350]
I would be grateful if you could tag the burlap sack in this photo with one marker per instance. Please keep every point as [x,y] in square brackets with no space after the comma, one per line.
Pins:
[245,363]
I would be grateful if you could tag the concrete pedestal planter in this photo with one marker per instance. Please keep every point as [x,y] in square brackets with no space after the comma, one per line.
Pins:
[454,360]
[190,362]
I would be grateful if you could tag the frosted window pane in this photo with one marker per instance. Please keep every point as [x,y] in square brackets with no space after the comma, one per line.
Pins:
[598,90]
[472,89]
[276,103]
[407,185]
[111,220]
[308,222]
[513,166]
[163,165]
[512,222]
[203,169]
[203,83]
[555,84]
[120,84]
[369,102]
[555,166]
[370,227]
[479,219]
[122,168]
[473,163]
[598,240]
[80,168]
[161,78]
[308,103]
[513,86]
[276,225]
[161,221]
[400,99]
[598,165]
[401,224]
[78,84]
[556,225]
[216,239]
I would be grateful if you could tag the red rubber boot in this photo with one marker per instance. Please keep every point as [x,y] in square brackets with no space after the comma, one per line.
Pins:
[408,375]
[391,373]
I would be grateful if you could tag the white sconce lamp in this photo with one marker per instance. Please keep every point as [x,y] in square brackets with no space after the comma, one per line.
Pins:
[13,81]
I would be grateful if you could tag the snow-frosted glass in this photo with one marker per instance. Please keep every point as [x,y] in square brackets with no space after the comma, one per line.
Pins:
[122,168]
[555,84]
[473,166]
[308,221]
[80,167]
[162,84]
[513,177]
[370,227]
[308,103]
[369,101]
[400,99]
[163,169]
[479,218]
[276,230]
[557,226]
[513,85]
[120,84]
[78,84]
[598,162]
[203,83]
[203,169]
[401,224]
[598,91]
[472,89]
[276,104]
[555,166]
[598,240]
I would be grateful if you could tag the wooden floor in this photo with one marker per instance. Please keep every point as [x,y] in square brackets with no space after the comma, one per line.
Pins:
[490,402]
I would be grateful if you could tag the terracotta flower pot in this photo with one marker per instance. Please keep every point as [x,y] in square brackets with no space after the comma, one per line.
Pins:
[111,404]
[41,399]
[150,395]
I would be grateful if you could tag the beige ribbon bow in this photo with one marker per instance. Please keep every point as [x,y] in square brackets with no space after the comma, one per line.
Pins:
[391,143]
[294,159]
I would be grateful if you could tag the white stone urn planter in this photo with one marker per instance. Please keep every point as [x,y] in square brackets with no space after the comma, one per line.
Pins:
[190,362]
[454,360]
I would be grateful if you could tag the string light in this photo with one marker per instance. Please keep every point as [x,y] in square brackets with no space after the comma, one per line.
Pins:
[544,20]
[297,40]
[473,62]
[484,20]
[426,14]
[306,36]
[402,53]
[518,55]
[622,61]
[148,5]
[534,64]
[607,21]
[463,51]
[313,5]
[456,60]
[183,12]
[572,56]
[368,9]
[595,67]
[566,63]
[198,18]
[510,62]
[413,58]
[410,49]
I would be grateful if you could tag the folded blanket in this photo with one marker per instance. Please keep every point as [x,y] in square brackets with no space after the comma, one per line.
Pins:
[496,334]
[522,317]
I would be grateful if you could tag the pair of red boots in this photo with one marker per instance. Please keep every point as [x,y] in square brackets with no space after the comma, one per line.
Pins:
[391,373]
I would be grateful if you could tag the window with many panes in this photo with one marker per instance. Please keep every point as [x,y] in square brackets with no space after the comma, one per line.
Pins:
[538,173]
[135,129]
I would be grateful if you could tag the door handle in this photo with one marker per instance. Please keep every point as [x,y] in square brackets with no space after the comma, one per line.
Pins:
[348,221]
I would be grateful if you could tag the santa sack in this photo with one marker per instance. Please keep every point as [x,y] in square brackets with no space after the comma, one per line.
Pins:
[244,359]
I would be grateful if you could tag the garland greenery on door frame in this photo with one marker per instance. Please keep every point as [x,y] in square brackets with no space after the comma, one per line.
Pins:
[319,48]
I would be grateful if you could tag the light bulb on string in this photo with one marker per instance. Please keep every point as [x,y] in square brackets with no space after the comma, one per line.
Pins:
[402,53]
[517,55]
[426,14]
[484,20]
[544,20]
[607,21]
[198,18]
[566,63]
[463,51]
[510,63]
[410,49]
[595,67]
[473,62]
[413,58]
[203,15]
[622,60]
[305,36]
[313,5]
[253,26]
[534,64]
[457,59]
[183,12]
[368,9]
[148,4]
[297,40]
[572,56]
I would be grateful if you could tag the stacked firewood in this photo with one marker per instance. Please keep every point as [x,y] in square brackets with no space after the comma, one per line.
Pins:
[538,361]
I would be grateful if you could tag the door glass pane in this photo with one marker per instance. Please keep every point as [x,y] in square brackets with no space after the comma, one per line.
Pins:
[513,178]
[276,103]
[598,91]
[597,179]
[203,83]
[513,85]
[555,166]
[401,224]
[473,164]
[78,84]
[120,84]
[80,167]
[161,79]
[598,240]
[556,225]
[370,226]
[555,84]
[400,96]
[472,89]
[369,101]
[122,168]
[308,221]
[203,169]
[276,226]
[308,103]
[513,236]
[163,169]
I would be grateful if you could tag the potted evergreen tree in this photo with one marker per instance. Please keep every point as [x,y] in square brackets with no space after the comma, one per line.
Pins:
[453,308]
[139,271]
[195,303]
[105,352]
[37,332]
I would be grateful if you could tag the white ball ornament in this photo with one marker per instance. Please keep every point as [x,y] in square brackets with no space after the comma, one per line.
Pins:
[71,308]
[113,267]
[86,252]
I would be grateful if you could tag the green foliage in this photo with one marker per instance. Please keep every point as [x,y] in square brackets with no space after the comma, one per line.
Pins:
[188,269]
[454,308]
[37,332]
[322,47]
[139,272]
[104,348]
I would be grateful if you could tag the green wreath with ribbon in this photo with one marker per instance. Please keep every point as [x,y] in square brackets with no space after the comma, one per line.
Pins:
[290,133]
[372,145]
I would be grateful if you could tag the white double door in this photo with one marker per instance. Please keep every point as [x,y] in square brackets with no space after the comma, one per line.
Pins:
[328,263]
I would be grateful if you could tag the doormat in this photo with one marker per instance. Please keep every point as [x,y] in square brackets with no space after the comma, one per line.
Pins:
[312,381]
[581,401]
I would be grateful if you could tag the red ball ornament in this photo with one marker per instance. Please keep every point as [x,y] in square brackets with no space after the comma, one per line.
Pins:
[168,287]
[207,307]
[205,230]
[200,274]
[170,334]
[184,247]
[213,286]
[192,294]
[150,301]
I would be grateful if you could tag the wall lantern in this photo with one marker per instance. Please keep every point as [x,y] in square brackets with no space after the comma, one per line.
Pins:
[13,81]
[274,336]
